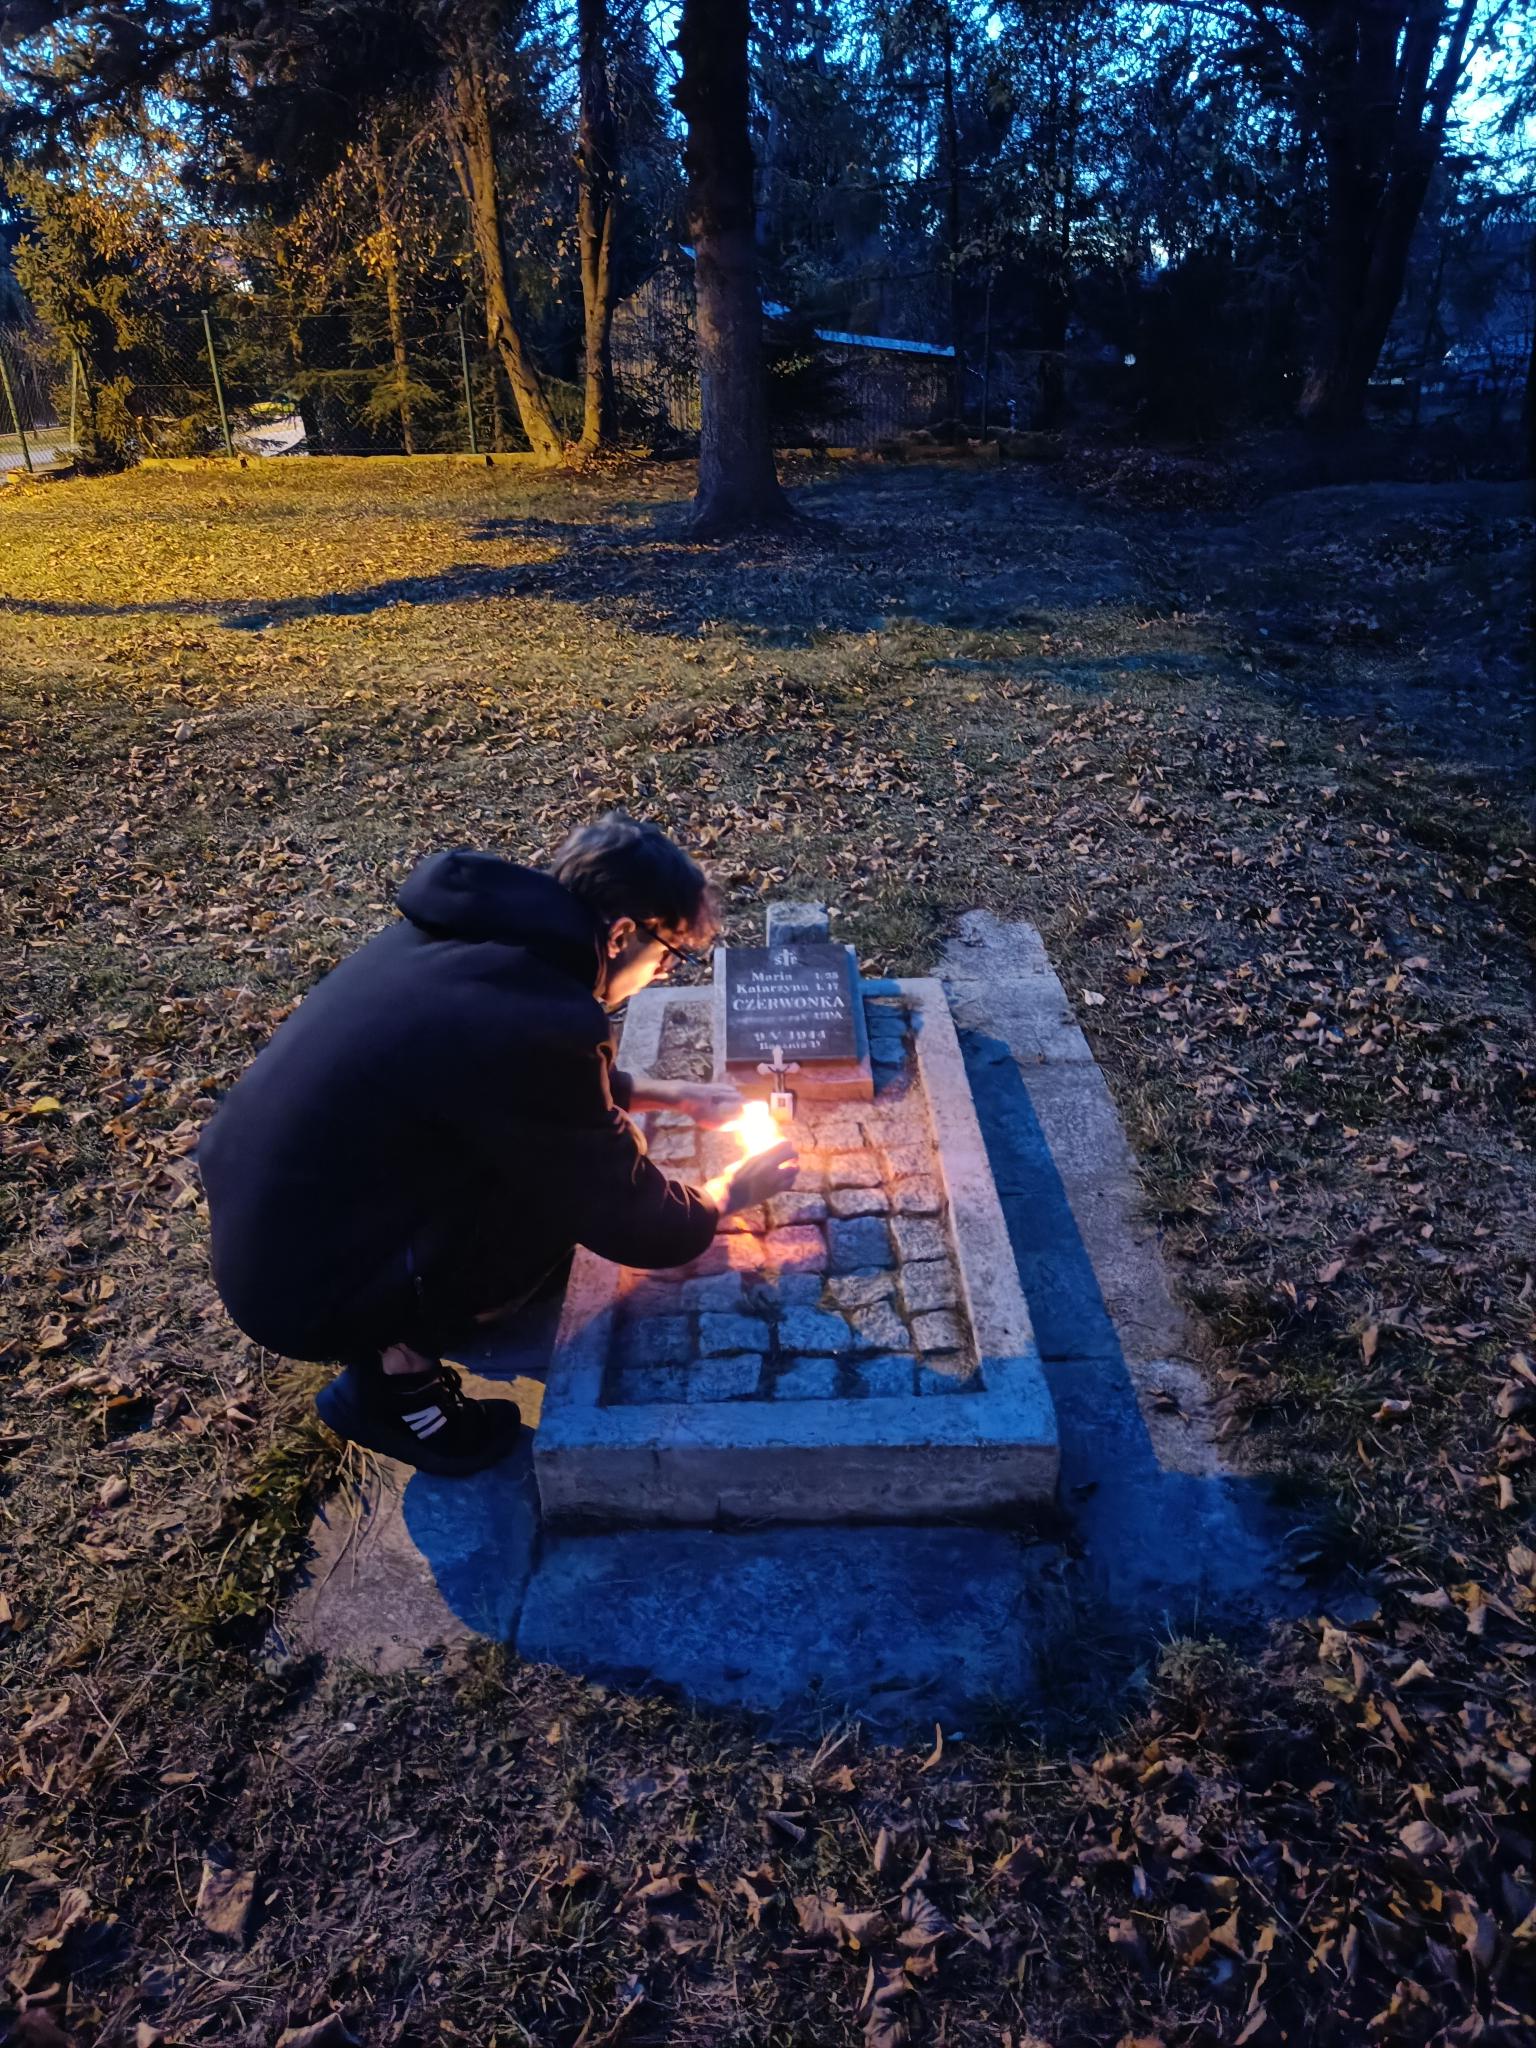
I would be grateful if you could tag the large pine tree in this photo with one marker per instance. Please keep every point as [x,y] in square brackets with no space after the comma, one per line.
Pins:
[738,485]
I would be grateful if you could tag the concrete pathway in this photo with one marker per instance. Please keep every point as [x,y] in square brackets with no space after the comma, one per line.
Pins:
[902,1624]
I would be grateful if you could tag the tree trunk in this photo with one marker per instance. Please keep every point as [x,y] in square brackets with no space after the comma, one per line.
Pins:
[738,485]
[471,140]
[597,158]
[952,223]
[1382,124]
[389,263]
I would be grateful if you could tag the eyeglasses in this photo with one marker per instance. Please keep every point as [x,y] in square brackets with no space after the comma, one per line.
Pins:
[677,953]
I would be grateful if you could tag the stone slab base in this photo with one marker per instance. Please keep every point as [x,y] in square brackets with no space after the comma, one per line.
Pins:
[803,1374]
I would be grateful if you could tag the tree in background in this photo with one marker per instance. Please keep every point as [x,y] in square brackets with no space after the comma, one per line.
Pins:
[1227,191]
[597,163]
[738,484]
[1374,83]
[478,46]
[121,275]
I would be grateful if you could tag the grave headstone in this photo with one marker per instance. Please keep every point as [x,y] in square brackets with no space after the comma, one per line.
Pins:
[793,1006]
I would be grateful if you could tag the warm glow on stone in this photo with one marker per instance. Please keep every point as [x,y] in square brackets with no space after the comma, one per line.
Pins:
[757,1128]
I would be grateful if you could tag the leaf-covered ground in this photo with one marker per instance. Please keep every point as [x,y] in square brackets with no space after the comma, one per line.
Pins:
[1254,777]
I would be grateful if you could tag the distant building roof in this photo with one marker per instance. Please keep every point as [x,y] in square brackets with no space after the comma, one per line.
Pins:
[775,309]
[905,348]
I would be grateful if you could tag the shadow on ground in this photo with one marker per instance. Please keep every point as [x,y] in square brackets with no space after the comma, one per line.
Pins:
[915,545]
[899,1624]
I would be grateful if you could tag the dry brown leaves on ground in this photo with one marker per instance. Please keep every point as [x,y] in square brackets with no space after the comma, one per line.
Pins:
[236,710]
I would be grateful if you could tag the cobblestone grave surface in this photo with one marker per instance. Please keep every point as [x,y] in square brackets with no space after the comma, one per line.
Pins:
[858,1348]
[843,1288]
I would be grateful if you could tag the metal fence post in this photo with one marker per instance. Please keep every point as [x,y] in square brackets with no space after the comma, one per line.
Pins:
[218,382]
[469,397]
[10,399]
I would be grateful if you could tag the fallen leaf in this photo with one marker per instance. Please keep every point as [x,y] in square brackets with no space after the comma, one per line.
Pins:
[226,1899]
[331,2032]
[1422,1838]
[1478,1931]
[936,1752]
[1189,1934]
[922,1924]
[821,1920]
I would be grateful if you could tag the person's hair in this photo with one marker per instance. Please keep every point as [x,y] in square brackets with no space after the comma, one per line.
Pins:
[619,867]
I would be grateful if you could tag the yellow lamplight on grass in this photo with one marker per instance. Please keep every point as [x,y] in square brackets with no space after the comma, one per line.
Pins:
[757,1128]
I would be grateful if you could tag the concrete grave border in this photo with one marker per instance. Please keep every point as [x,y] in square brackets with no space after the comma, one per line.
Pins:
[895,1458]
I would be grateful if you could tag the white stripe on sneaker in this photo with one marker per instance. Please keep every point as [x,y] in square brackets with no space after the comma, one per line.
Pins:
[426,1421]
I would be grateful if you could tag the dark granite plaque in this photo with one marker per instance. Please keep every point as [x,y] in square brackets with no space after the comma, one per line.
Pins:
[800,997]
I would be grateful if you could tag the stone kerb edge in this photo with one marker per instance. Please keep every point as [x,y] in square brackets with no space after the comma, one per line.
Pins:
[994,1300]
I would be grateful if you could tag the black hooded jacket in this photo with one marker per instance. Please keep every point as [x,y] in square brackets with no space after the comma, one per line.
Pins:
[434,1127]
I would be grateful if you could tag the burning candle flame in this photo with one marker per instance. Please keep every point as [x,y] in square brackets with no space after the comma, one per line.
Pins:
[757,1128]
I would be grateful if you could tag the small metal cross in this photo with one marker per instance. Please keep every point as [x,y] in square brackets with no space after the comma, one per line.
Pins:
[780,1099]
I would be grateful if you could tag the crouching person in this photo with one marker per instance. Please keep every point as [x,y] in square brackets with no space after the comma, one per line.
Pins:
[439,1124]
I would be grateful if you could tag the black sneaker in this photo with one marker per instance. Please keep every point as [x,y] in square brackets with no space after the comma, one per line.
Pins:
[425,1421]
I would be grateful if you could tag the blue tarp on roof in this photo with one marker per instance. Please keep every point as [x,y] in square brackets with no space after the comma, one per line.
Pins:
[775,309]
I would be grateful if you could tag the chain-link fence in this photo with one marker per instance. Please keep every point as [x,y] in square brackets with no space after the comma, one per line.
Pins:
[37,381]
[260,377]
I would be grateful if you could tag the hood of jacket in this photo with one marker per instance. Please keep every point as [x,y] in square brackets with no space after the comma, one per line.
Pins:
[463,895]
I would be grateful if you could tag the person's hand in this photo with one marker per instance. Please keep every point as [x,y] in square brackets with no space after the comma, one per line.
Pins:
[711,1104]
[755,1180]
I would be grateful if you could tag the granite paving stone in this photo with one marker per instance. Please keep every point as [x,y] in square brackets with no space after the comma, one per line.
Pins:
[723,1379]
[798,1290]
[646,1383]
[798,1206]
[929,1284]
[839,1134]
[812,1332]
[878,1327]
[672,1148]
[800,1248]
[858,1243]
[858,1201]
[918,1196]
[719,1151]
[807,1379]
[720,1294]
[719,1335]
[743,1223]
[716,1258]
[654,1294]
[938,1331]
[858,1290]
[901,1161]
[919,1237]
[854,1170]
[656,1340]
[886,1378]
